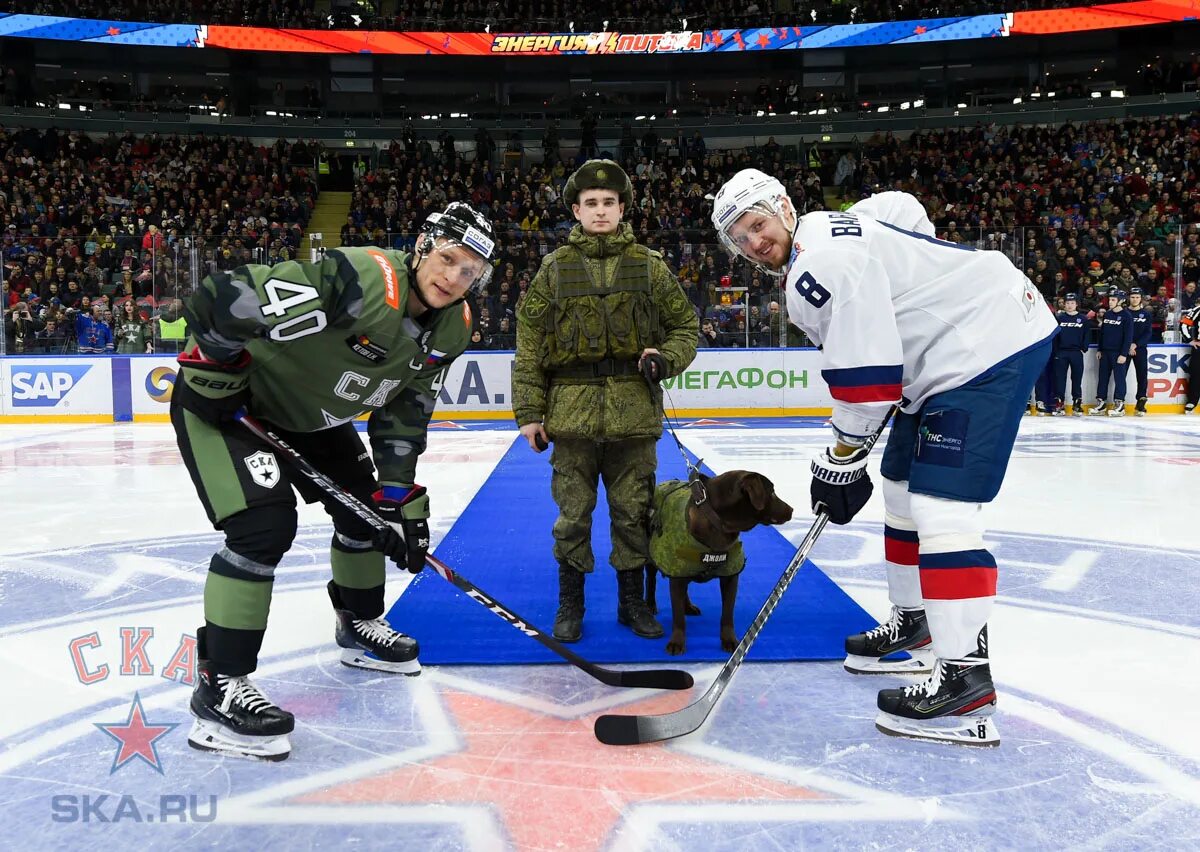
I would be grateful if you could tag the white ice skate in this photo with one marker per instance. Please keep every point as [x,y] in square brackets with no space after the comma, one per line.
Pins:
[212,736]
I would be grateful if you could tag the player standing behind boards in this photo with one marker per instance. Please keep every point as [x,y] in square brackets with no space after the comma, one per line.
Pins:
[308,347]
[1116,337]
[956,337]
[1143,330]
[603,314]
[1069,346]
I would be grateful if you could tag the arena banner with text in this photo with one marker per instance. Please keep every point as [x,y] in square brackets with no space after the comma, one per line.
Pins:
[34,388]
[388,42]
[478,385]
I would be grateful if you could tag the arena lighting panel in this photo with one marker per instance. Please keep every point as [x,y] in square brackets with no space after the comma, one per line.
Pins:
[997,25]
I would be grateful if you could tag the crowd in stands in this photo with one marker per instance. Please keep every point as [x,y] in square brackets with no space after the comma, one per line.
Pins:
[528,15]
[1077,207]
[91,227]
[92,224]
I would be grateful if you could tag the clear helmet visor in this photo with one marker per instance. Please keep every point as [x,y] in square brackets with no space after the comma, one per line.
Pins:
[458,263]
[744,234]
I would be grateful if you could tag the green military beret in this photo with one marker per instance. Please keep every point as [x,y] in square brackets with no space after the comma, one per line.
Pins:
[599,174]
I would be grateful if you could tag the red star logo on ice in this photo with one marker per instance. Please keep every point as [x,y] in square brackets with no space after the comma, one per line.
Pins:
[112,31]
[919,30]
[137,737]
[763,40]
[510,756]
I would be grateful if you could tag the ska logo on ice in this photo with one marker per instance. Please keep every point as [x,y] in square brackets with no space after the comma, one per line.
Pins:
[45,384]
[136,733]
[264,470]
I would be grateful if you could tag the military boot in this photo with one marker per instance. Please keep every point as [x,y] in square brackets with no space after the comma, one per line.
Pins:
[568,623]
[632,610]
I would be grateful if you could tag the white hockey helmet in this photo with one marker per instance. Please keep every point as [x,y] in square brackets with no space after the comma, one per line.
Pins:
[748,190]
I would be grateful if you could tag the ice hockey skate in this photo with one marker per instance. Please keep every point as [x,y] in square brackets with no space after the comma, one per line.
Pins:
[1077,408]
[1098,408]
[905,630]
[371,643]
[1059,409]
[954,704]
[1118,410]
[234,717]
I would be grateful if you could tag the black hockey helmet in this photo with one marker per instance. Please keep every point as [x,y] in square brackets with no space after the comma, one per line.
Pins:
[462,225]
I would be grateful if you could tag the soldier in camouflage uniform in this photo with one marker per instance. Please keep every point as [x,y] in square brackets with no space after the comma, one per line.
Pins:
[307,348]
[602,316]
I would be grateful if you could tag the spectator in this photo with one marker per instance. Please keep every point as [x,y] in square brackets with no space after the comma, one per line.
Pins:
[20,329]
[134,335]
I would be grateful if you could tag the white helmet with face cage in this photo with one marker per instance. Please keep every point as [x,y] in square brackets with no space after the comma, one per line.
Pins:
[748,190]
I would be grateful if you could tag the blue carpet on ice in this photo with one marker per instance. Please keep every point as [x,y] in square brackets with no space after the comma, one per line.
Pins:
[502,543]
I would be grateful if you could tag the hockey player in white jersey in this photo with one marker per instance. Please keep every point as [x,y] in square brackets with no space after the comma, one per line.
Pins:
[956,337]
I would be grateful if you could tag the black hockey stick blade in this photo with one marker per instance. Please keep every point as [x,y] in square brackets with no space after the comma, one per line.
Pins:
[646,678]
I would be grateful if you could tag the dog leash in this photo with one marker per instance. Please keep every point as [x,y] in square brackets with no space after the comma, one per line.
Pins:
[695,480]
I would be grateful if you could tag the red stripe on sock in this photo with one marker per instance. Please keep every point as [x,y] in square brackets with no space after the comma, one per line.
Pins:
[901,552]
[952,584]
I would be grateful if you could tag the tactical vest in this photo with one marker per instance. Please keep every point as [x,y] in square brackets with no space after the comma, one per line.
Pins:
[673,549]
[592,323]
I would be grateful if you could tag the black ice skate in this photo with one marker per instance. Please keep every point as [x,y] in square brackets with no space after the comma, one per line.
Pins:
[1118,409]
[371,643]
[1060,410]
[1077,408]
[905,630]
[233,716]
[1040,409]
[1098,408]
[954,704]
[1140,409]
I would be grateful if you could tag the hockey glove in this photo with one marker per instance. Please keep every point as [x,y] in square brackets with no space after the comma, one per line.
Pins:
[840,485]
[406,509]
[654,367]
[212,390]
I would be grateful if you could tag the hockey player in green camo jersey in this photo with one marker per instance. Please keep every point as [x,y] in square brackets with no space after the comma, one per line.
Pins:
[602,315]
[307,348]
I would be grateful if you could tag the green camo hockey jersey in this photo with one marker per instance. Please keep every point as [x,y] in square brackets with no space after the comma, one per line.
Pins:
[332,340]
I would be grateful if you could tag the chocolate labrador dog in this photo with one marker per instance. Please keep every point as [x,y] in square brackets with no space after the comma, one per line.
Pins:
[694,537]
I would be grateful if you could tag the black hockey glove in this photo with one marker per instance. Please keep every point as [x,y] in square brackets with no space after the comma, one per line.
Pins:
[840,485]
[406,509]
[212,390]
[654,367]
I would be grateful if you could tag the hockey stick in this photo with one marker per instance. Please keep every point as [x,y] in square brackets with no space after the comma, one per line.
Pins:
[613,729]
[649,679]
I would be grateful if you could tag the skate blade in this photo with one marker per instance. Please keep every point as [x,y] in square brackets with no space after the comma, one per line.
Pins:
[356,658]
[210,736]
[919,662]
[976,730]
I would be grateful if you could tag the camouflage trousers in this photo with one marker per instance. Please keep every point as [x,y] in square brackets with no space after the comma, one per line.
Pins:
[627,468]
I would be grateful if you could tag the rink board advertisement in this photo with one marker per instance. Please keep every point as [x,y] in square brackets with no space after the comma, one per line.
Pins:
[1000,24]
[56,387]
[719,383]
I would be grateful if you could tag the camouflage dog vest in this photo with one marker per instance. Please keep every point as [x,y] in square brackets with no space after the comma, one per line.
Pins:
[673,549]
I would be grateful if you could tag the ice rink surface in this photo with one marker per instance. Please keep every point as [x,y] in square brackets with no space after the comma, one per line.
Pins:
[1095,644]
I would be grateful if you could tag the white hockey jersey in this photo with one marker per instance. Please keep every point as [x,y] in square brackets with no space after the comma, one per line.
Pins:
[899,314]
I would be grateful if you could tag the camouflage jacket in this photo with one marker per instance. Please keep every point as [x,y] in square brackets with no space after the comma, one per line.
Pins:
[594,305]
